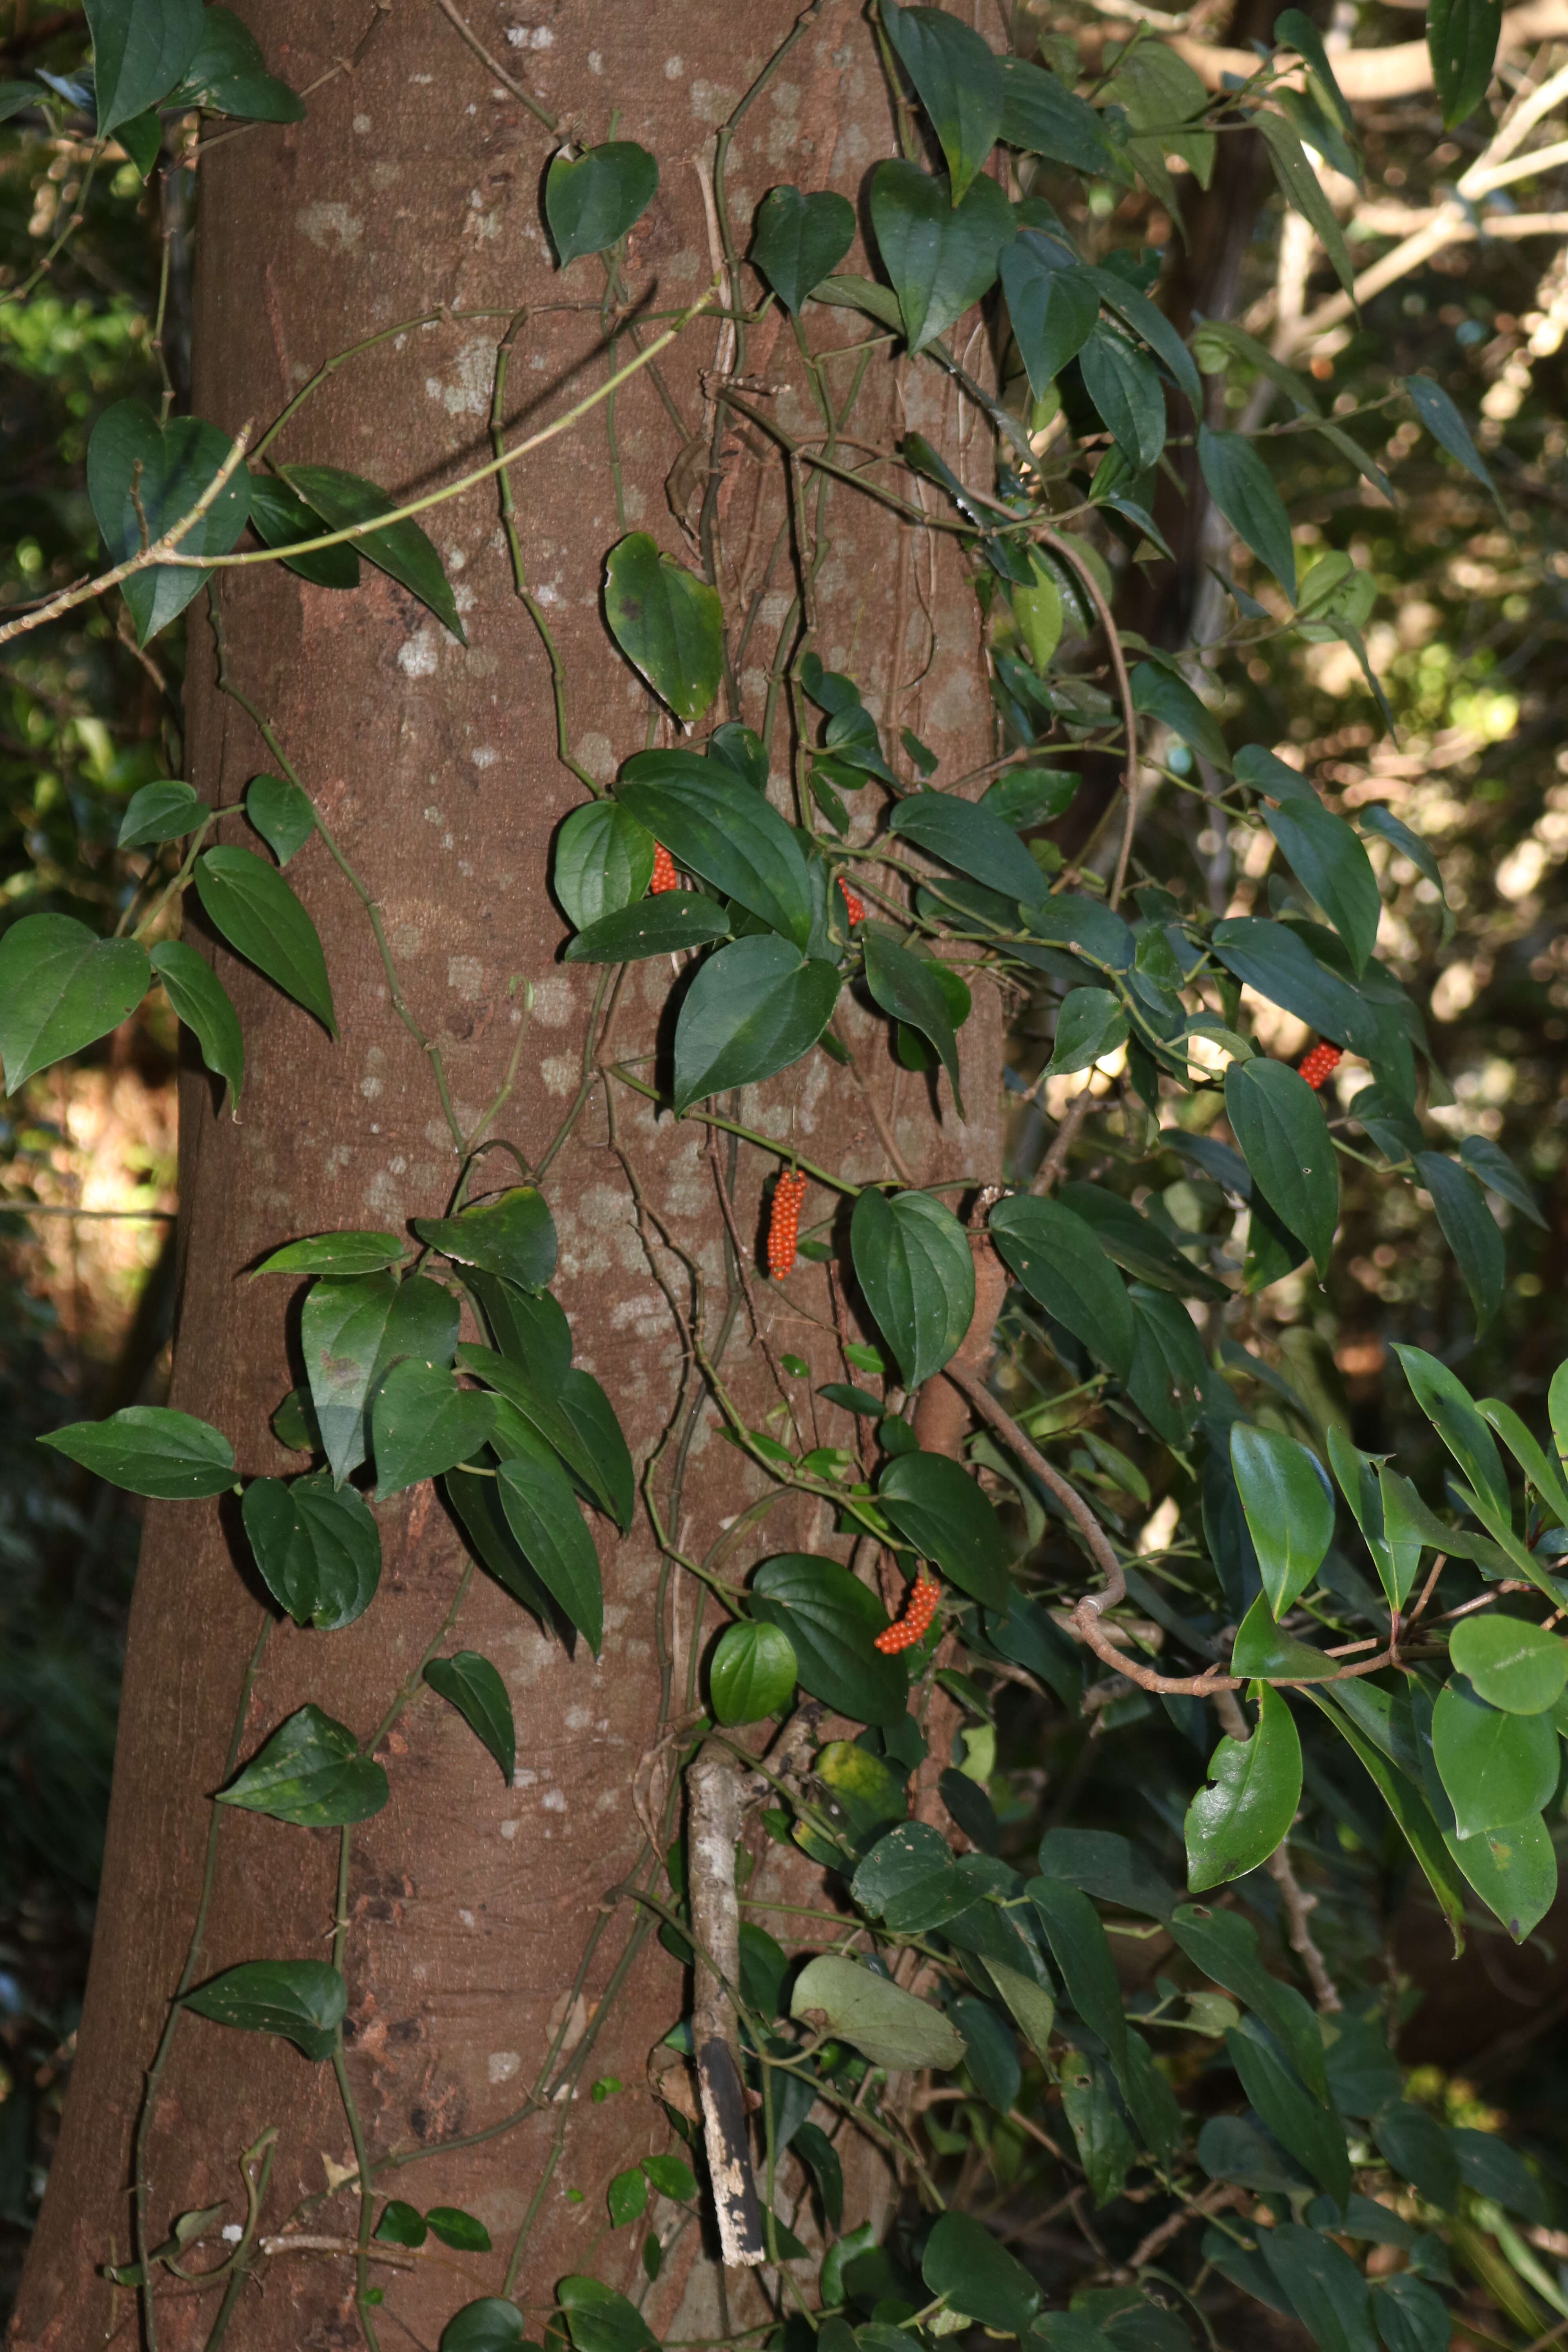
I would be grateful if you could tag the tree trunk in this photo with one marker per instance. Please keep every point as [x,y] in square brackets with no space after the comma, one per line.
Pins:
[486,1923]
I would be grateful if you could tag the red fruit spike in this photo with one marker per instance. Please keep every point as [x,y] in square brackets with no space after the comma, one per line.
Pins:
[665,877]
[854,907]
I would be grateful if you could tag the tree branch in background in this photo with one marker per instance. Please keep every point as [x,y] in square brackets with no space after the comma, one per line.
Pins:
[715,1799]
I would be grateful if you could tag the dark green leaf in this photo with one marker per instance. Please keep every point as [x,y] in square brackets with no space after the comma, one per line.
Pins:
[1290,1509]
[604,861]
[799,239]
[1494,2169]
[670,626]
[713,824]
[1051,302]
[1061,1262]
[259,916]
[60,988]
[1237,2148]
[1242,486]
[282,814]
[1452,1412]
[1082,925]
[1261,1649]
[753,1008]
[941,257]
[1416,2145]
[1510,1662]
[201,1000]
[400,2224]
[601,1444]
[1468,1227]
[477,1502]
[1169,1369]
[887,2025]
[626,2196]
[1410,2315]
[1331,863]
[1090,1023]
[310,1773]
[1275,961]
[942,1513]
[914,1263]
[1150,326]
[976,2275]
[463,2231]
[832,1621]
[542,1514]
[601,2320]
[1292,26]
[512,1236]
[752,1674]
[1082,1953]
[1462,37]
[304,2001]
[1171,700]
[971,838]
[1225,1946]
[140,49]
[148,1450]
[1135,1244]
[422,1422]
[343,1326]
[1491,1166]
[168,467]
[343,1254]
[1321,2283]
[671,2176]
[592,200]
[958,82]
[1313,2133]
[1105,1865]
[662,926]
[471,1684]
[1405,1799]
[16,97]
[401,550]
[907,988]
[1304,192]
[280,519]
[317,1546]
[1495,1767]
[568,1415]
[229,75]
[1278,1122]
[1105,2146]
[1395,1554]
[1125,388]
[490,2324]
[817,2153]
[1237,1822]
[161,811]
[1157,89]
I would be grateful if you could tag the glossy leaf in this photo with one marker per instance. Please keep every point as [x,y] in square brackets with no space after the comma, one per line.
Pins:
[1468,1227]
[305,2001]
[753,1008]
[476,1503]
[310,1772]
[400,2224]
[354,1331]
[1169,1369]
[1491,1166]
[140,49]
[488,2324]
[1495,1768]
[1304,192]
[282,814]
[1051,303]
[1082,1954]
[1417,2146]
[200,999]
[471,1684]
[1256,1786]
[1312,2132]
[422,1422]
[542,1514]
[1090,1025]
[159,812]
[913,1262]
[714,826]
[958,80]
[512,1236]
[1451,1409]
[1165,696]
[1275,961]
[1394,1548]
[148,1450]
[885,2024]
[60,988]
[662,926]
[1125,388]
[601,2320]
[1225,1946]
[1510,1662]
[401,550]
[832,1621]
[1321,2285]
[905,987]
[566,1414]
[941,257]
[1328,860]
[1062,1264]
[601,1445]
[317,1546]
[668,624]
[1462,39]
[343,1254]
[1043,117]
[964,2262]
[591,200]
[168,467]
[227,75]
[259,916]
[1288,1506]
[799,239]
[603,862]
[942,1514]
[626,2196]
[752,1674]
[280,519]
[465,2232]
[1242,488]
[1279,1125]
[970,837]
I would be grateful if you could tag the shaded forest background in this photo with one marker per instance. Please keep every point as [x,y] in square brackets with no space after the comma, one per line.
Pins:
[1468,641]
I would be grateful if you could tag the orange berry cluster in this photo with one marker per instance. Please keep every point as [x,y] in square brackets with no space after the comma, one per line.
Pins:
[665,877]
[854,907]
[918,1611]
[1320,1064]
[785,1223]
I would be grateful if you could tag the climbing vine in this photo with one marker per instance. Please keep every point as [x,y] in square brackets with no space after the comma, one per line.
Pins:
[1307,1617]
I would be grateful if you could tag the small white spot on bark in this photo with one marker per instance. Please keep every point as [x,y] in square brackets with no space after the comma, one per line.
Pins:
[553,1001]
[465,976]
[553,1801]
[674,67]
[562,1073]
[501,2066]
[418,657]
[331,227]
[362,123]
[509,1830]
[484,755]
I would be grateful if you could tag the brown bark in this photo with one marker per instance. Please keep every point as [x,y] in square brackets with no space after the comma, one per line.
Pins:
[472,1908]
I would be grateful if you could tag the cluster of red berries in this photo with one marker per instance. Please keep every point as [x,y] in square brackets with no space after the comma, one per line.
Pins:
[918,1611]
[665,877]
[854,907]
[1319,1063]
[784,1226]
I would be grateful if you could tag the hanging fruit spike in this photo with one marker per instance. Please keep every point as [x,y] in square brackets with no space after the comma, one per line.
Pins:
[665,877]
[1319,1063]
[915,1622]
[784,1226]
[854,907]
